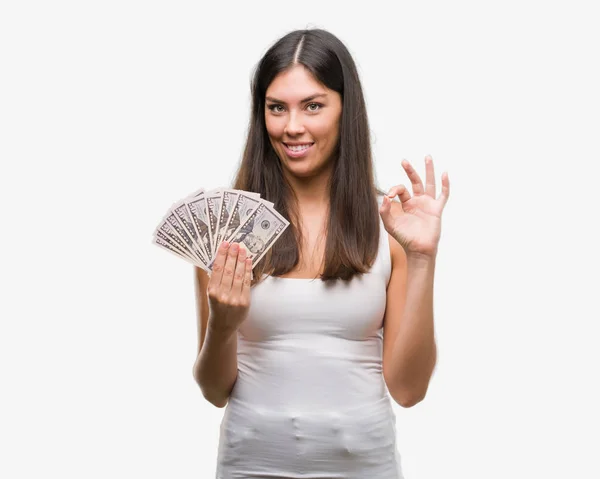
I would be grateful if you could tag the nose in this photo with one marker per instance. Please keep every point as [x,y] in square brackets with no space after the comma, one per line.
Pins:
[294,125]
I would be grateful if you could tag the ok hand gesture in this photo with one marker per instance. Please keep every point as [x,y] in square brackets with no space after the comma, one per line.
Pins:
[416,224]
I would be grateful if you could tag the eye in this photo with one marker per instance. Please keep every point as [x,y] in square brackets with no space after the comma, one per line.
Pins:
[272,108]
[318,105]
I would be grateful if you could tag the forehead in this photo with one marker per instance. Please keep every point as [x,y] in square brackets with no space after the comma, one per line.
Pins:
[295,84]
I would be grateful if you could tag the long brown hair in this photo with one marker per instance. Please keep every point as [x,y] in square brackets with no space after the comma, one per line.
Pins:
[353,223]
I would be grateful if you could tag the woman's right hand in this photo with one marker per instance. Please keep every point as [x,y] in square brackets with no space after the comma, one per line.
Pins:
[229,288]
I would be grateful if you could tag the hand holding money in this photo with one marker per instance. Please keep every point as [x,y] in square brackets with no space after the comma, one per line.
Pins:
[195,227]
[229,288]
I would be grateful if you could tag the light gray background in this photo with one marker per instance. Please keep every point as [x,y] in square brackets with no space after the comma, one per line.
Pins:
[111,111]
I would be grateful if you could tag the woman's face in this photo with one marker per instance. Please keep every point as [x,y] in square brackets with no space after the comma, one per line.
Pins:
[301,111]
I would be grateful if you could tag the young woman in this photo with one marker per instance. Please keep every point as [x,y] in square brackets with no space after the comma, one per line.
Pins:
[338,317]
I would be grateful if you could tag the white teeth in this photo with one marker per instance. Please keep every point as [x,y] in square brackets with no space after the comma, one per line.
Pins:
[299,147]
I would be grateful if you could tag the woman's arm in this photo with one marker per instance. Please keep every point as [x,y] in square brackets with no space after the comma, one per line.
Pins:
[215,368]
[414,225]
[409,349]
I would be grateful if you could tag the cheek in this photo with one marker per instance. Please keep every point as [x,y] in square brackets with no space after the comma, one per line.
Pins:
[327,129]
[329,137]
[274,127]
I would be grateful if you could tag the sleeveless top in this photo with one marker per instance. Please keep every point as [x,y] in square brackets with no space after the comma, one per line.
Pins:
[310,399]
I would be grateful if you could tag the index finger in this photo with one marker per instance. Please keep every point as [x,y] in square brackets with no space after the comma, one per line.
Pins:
[219,265]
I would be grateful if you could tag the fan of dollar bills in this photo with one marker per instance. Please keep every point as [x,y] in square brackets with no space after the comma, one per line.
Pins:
[194,227]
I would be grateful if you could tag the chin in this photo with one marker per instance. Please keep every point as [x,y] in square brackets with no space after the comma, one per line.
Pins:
[301,173]
[301,170]
[302,167]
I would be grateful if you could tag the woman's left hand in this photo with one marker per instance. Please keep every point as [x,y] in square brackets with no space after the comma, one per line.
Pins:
[417,223]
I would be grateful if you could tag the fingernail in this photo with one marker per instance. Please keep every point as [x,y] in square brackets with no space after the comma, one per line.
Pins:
[234,247]
[225,245]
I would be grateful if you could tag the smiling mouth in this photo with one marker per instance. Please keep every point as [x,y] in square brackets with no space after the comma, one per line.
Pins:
[297,148]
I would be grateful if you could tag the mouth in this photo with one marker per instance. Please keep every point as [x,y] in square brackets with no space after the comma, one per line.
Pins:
[299,150]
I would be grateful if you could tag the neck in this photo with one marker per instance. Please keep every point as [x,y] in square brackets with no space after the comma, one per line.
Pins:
[312,192]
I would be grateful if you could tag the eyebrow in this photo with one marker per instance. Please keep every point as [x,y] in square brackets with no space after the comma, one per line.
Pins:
[312,97]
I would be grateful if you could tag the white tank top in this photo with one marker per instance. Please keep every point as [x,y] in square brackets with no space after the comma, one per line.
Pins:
[310,359]
[306,344]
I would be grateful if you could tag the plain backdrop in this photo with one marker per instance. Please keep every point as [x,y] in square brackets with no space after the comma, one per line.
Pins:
[111,111]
